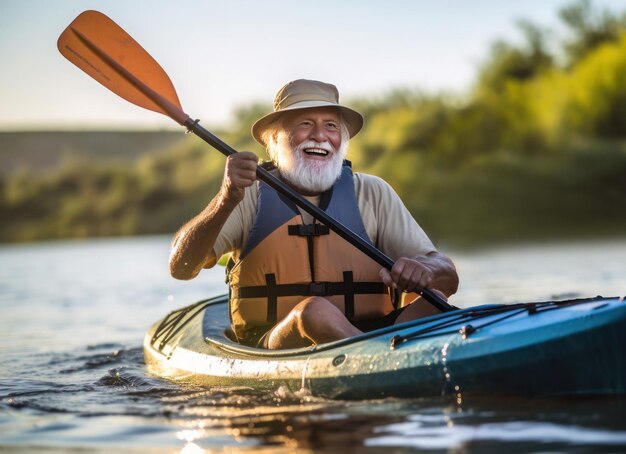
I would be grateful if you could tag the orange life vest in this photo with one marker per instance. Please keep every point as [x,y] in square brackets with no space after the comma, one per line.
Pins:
[285,261]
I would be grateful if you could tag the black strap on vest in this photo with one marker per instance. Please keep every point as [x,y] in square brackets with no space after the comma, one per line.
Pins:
[308,229]
[272,298]
[348,288]
[348,298]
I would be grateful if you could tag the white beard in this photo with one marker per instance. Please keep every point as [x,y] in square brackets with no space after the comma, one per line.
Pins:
[309,175]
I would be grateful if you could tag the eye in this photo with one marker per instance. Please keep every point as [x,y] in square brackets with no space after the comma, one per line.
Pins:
[332,125]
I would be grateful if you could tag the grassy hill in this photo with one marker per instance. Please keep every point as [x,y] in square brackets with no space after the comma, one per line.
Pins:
[46,151]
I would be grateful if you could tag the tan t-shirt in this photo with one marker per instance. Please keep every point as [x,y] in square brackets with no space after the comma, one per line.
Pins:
[388,223]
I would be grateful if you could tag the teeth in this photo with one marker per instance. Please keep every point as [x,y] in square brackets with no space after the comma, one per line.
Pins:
[316,151]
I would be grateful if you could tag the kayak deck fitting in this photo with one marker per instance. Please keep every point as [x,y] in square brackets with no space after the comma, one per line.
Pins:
[574,347]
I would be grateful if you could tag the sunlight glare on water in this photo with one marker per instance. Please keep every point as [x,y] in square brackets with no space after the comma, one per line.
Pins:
[541,272]
[72,374]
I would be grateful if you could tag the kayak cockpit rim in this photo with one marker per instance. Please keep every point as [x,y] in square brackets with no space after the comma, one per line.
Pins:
[177,319]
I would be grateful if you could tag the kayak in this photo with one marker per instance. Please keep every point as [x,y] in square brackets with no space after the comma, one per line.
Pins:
[553,348]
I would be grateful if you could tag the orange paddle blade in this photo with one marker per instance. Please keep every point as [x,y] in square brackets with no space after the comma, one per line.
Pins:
[100,47]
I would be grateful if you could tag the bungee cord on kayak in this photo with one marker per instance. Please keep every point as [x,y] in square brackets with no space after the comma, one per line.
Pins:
[474,314]
[176,320]
[548,338]
[452,323]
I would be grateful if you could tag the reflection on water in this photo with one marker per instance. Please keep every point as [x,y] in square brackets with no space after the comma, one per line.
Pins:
[542,272]
[72,373]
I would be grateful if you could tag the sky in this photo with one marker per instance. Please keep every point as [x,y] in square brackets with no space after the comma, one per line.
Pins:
[222,55]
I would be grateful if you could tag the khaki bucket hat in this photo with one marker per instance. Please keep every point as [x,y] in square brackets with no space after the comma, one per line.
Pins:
[306,94]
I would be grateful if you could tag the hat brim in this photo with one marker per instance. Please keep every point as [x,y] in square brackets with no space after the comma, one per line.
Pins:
[352,118]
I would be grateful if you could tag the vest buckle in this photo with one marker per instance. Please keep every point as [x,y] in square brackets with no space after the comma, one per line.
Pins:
[318,289]
[308,229]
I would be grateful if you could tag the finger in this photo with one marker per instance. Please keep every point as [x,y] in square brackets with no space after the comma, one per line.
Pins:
[404,280]
[243,183]
[416,280]
[244,164]
[245,155]
[386,278]
[241,165]
[241,176]
[397,269]
[244,160]
[240,182]
[248,181]
[244,173]
[424,280]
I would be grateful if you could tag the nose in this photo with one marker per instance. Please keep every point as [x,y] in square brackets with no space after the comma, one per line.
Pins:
[318,133]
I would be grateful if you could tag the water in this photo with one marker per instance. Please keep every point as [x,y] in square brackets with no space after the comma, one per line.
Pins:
[72,376]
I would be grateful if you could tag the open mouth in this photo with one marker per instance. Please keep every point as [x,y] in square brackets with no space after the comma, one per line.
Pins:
[316,152]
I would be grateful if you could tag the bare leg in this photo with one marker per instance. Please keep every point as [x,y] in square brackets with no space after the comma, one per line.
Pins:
[315,320]
[418,308]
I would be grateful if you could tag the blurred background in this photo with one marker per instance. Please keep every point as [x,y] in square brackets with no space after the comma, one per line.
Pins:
[496,122]
[501,124]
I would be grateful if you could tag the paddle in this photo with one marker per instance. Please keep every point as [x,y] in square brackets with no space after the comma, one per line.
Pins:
[103,50]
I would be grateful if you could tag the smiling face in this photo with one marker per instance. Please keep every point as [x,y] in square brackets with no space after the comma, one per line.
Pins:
[309,148]
[319,125]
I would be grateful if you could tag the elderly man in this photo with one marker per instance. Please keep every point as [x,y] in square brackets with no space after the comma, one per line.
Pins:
[294,283]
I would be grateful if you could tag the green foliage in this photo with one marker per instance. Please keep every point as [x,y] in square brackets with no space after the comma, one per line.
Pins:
[589,29]
[509,62]
[510,197]
[82,200]
[537,149]
[597,102]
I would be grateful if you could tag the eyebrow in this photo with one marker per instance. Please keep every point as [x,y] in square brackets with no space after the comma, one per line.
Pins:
[307,117]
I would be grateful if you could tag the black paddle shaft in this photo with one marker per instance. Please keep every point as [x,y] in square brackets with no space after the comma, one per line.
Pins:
[340,229]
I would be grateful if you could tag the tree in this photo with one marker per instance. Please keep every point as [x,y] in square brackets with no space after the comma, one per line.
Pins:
[508,62]
[589,28]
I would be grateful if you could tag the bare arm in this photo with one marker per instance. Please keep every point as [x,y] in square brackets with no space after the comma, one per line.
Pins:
[433,270]
[192,244]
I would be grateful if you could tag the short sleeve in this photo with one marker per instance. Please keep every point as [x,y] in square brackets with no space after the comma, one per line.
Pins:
[234,233]
[388,222]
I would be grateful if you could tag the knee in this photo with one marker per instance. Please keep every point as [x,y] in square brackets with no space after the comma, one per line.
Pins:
[313,312]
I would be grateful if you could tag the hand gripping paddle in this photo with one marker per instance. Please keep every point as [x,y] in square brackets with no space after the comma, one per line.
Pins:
[103,50]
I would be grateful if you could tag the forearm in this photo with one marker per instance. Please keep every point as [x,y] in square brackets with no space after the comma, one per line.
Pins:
[193,243]
[445,277]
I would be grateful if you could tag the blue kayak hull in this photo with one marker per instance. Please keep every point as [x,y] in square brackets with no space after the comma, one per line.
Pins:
[538,349]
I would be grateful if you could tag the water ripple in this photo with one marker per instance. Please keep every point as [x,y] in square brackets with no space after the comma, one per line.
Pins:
[72,374]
